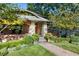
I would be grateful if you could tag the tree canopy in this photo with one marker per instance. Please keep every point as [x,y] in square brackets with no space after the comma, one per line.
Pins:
[8,15]
[62,15]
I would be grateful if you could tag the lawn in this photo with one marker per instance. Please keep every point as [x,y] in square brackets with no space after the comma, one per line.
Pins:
[24,47]
[35,50]
[68,46]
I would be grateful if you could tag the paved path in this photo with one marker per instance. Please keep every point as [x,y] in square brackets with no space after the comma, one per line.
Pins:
[55,49]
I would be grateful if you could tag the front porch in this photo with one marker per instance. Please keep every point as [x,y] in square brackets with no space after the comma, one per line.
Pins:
[38,28]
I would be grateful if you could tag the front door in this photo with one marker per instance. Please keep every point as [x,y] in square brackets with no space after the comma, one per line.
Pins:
[38,28]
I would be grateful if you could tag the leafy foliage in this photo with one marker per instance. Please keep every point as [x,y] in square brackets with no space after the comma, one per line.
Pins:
[35,37]
[68,46]
[73,39]
[11,43]
[28,39]
[34,50]
[7,11]
[62,15]
[3,51]
[48,36]
[8,16]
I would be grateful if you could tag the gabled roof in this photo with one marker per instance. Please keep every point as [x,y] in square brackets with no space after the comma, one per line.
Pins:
[32,18]
[35,16]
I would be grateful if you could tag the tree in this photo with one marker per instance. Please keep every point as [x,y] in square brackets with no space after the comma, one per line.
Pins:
[60,14]
[7,14]
[63,16]
[41,9]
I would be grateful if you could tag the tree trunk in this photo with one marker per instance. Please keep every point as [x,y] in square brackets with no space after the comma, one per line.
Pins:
[3,28]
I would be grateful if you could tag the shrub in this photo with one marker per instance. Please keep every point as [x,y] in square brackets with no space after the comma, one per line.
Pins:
[55,38]
[48,36]
[77,34]
[18,47]
[35,37]
[73,39]
[11,43]
[28,39]
[59,39]
[3,51]
[14,43]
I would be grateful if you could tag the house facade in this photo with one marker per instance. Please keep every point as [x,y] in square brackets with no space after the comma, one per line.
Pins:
[32,24]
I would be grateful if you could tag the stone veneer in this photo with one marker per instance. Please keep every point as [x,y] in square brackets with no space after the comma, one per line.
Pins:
[44,29]
[32,28]
[4,38]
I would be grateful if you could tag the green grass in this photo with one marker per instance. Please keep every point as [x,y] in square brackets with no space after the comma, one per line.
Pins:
[35,50]
[26,40]
[68,46]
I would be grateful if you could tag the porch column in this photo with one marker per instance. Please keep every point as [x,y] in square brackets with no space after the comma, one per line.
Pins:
[32,28]
[44,29]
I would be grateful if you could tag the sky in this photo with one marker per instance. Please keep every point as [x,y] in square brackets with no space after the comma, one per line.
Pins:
[22,5]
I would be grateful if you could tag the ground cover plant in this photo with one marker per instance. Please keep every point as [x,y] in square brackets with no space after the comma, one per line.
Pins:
[68,46]
[34,50]
[24,47]
[4,46]
[65,43]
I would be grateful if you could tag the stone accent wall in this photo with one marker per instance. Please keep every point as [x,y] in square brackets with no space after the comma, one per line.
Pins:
[32,28]
[4,38]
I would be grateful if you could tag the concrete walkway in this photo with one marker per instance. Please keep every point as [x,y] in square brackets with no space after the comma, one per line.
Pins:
[55,49]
